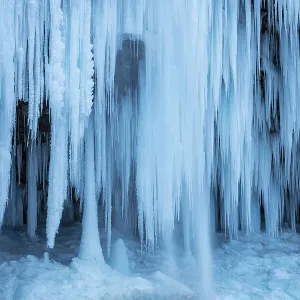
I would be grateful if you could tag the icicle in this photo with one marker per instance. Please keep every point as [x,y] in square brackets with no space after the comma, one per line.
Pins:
[32,177]
[73,90]
[57,190]
[19,162]
[19,206]
[45,158]
[56,80]
[31,21]
[7,98]
[79,84]
[13,190]
[10,212]
[105,43]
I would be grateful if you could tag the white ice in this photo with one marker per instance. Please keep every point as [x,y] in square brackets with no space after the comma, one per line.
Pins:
[255,267]
[119,257]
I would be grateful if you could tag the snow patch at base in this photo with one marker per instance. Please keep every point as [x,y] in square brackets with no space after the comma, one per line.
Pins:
[253,267]
[31,278]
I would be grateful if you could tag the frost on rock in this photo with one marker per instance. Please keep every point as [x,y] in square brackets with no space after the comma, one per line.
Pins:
[165,122]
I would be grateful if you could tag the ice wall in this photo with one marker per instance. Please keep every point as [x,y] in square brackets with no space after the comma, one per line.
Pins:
[194,105]
[7,98]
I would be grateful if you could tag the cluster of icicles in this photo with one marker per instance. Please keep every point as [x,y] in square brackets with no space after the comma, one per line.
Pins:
[209,137]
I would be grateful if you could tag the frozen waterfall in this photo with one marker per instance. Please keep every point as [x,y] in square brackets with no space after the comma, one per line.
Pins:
[150,117]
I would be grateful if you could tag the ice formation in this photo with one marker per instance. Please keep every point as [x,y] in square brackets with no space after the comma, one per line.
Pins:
[120,258]
[151,116]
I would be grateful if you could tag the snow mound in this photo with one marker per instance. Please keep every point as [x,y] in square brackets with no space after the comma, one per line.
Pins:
[253,267]
[120,258]
[31,278]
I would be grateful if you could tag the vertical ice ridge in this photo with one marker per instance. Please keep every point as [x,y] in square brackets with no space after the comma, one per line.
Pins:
[32,175]
[57,190]
[7,98]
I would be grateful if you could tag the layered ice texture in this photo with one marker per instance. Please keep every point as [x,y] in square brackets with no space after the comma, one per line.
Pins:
[167,120]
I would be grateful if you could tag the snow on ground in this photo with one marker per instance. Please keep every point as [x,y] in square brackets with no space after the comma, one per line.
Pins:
[259,267]
[256,267]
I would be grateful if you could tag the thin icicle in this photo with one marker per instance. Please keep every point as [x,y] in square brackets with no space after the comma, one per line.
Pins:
[32,203]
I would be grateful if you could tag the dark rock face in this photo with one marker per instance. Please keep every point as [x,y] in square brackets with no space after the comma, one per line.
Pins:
[127,66]
[21,130]
[44,120]
[22,122]
[126,80]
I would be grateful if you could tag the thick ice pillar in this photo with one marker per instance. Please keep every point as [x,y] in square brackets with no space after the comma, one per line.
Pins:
[90,247]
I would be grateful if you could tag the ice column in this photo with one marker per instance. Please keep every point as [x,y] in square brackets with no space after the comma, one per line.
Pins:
[90,247]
